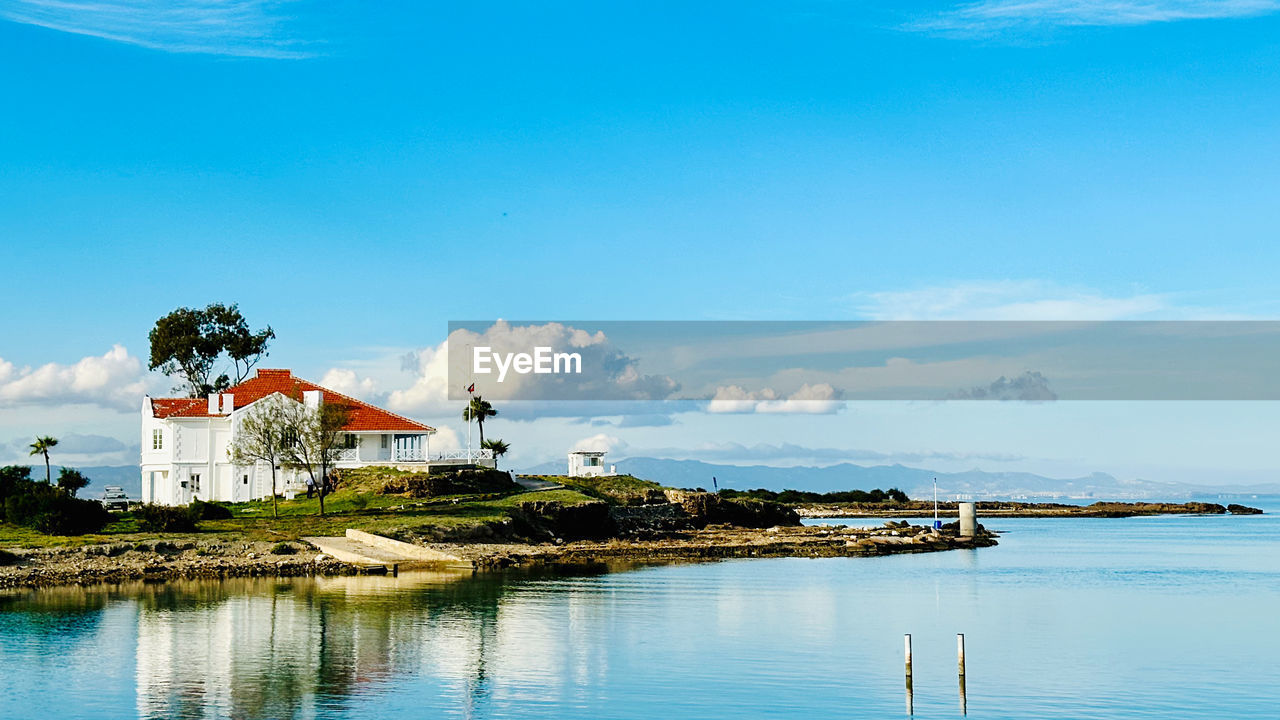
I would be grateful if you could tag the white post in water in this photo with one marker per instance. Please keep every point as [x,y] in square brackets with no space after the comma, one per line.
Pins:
[964,704]
[907,642]
[968,519]
[937,525]
[907,647]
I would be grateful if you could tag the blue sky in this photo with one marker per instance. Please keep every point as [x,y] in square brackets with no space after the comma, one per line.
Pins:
[358,174]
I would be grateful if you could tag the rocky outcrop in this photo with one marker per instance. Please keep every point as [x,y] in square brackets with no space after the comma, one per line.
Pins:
[1235,509]
[704,508]
[452,482]
[551,519]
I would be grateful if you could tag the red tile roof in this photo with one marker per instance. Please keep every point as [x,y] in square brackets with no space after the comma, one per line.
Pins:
[362,417]
[180,407]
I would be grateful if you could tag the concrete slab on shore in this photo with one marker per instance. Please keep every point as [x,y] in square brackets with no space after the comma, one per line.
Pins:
[362,548]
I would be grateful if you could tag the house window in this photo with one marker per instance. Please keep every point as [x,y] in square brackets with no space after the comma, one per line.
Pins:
[157,439]
[246,480]
[385,442]
[195,482]
[289,438]
[349,441]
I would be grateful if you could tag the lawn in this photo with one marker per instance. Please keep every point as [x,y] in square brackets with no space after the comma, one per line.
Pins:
[372,512]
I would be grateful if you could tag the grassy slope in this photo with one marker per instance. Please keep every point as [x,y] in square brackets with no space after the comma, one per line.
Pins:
[348,508]
[622,489]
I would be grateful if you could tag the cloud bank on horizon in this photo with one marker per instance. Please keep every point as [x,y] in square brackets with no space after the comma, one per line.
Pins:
[115,380]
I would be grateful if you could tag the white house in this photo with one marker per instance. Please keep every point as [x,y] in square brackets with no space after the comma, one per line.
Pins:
[589,463]
[185,441]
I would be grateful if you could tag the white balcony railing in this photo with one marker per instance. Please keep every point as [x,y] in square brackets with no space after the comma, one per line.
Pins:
[408,455]
[347,455]
[465,455]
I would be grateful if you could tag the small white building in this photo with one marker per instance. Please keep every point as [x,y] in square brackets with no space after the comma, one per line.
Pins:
[589,463]
[186,441]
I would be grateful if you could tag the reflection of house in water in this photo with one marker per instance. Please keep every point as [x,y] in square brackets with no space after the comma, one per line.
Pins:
[310,647]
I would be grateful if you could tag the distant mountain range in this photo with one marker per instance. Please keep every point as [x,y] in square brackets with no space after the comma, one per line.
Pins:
[128,477]
[916,482]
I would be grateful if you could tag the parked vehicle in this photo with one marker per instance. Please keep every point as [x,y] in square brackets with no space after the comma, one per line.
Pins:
[114,498]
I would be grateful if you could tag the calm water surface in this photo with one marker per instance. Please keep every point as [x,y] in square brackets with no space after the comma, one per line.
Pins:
[1067,618]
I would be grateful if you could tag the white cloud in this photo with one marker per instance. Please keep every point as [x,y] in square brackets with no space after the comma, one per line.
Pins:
[245,28]
[115,380]
[606,372]
[446,438]
[430,389]
[816,399]
[993,16]
[1011,300]
[1030,386]
[610,384]
[601,442]
[348,383]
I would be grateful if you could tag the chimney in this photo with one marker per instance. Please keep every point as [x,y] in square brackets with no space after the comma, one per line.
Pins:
[228,403]
[213,403]
[311,399]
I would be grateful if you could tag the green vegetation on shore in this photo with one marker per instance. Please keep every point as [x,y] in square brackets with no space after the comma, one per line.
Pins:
[379,500]
[791,497]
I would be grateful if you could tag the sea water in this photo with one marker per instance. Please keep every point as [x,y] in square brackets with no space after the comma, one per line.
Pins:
[1067,618]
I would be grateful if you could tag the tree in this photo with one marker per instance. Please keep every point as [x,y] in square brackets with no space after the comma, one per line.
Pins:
[317,438]
[479,410]
[41,447]
[261,438]
[71,480]
[245,348]
[498,447]
[188,342]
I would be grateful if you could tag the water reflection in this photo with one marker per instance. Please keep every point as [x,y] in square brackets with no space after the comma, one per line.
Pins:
[314,647]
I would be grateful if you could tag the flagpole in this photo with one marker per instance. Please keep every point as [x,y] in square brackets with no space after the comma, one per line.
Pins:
[470,388]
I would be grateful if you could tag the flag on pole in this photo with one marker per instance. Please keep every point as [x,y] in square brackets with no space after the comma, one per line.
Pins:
[471,388]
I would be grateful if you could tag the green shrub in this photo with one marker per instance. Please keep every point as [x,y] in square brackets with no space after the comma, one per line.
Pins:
[283,548]
[163,518]
[359,501]
[210,511]
[52,510]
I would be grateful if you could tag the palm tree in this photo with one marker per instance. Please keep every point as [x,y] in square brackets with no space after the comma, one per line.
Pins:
[498,447]
[478,410]
[41,447]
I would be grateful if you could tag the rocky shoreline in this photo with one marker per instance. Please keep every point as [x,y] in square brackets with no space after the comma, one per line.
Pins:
[163,560]
[722,541]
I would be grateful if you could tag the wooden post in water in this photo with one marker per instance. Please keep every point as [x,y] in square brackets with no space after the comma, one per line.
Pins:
[964,704]
[907,647]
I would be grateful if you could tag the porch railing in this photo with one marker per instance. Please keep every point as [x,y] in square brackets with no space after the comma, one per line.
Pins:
[408,455]
[462,455]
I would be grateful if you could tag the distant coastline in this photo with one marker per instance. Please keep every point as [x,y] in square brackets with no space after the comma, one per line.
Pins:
[1101,509]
